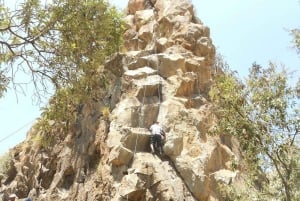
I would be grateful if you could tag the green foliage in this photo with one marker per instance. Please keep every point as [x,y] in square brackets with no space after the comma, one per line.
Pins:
[63,109]
[64,42]
[59,116]
[89,32]
[43,140]
[236,193]
[3,83]
[296,38]
[263,114]
[59,42]
[229,193]
[106,112]
[5,164]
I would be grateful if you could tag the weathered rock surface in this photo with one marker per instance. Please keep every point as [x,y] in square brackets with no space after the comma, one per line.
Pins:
[164,75]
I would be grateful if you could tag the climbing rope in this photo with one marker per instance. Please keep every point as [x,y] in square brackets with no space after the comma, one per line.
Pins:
[197,82]
[137,40]
[141,112]
[155,26]
[142,117]
[159,77]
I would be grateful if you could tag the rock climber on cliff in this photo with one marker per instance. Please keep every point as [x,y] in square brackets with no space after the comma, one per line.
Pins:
[157,135]
[13,197]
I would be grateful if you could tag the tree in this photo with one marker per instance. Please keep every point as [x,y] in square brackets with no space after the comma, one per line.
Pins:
[296,38]
[3,83]
[58,43]
[263,114]
[296,41]
[62,44]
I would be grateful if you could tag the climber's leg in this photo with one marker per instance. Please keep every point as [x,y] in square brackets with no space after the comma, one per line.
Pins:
[152,143]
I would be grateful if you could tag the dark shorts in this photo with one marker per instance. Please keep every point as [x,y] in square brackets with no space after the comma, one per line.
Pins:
[156,139]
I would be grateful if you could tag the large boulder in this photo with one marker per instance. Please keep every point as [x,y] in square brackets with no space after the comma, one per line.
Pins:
[188,85]
[146,33]
[115,64]
[170,64]
[143,17]
[173,145]
[173,8]
[139,73]
[135,5]
[204,47]
[120,156]
[127,112]
[137,139]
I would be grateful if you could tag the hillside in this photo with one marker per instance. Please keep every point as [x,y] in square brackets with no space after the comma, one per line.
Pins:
[163,73]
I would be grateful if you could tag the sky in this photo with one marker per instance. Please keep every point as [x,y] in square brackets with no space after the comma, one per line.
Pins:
[243,31]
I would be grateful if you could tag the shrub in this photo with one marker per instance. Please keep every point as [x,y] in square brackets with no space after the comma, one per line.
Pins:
[106,112]
[5,164]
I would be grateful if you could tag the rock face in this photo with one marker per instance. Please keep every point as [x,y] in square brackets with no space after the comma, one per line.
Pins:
[164,74]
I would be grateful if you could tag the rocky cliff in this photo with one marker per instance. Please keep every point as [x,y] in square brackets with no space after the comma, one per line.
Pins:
[163,73]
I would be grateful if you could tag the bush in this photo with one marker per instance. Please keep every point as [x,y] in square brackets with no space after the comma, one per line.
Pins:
[42,140]
[106,112]
[5,164]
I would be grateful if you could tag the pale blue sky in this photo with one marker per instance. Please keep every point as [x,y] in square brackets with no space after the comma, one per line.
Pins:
[243,31]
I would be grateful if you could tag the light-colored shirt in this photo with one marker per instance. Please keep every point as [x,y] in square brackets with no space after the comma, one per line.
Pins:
[156,129]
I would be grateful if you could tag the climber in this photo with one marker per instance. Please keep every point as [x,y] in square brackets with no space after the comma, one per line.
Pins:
[157,136]
[12,197]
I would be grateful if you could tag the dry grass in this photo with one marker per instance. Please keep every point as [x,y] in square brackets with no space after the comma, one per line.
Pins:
[5,163]
[105,112]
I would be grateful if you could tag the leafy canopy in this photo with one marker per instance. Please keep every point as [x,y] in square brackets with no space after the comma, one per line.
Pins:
[58,42]
[296,38]
[263,114]
[62,44]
